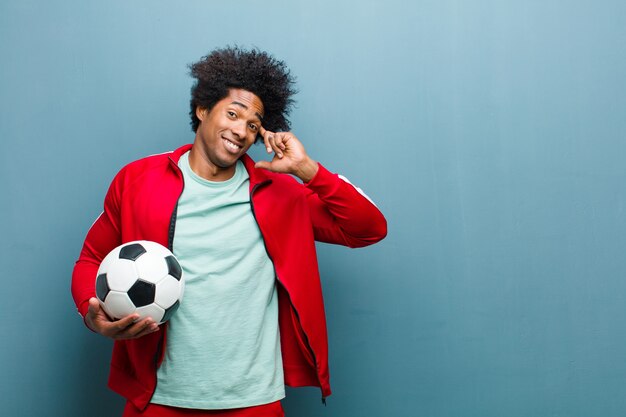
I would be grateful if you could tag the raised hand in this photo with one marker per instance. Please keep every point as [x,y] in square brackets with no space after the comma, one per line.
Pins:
[290,157]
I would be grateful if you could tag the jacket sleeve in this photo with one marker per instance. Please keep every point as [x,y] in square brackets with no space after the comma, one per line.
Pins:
[341,213]
[103,236]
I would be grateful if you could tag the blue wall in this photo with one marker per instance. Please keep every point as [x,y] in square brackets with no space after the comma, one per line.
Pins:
[491,134]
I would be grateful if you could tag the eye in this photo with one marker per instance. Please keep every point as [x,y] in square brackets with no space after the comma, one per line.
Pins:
[253,127]
[231,114]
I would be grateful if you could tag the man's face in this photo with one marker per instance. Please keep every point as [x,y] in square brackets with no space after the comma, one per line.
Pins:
[227,131]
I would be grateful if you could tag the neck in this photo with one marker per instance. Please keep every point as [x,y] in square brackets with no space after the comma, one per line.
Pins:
[204,168]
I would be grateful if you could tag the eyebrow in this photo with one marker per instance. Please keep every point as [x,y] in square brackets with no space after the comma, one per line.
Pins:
[246,107]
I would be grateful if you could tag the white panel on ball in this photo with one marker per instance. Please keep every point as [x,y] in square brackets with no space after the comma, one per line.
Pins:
[168,291]
[118,305]
[109,260]
[151,267]
[151,310]
[121,275]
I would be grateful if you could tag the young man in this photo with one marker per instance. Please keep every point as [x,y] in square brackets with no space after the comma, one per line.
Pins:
[253,316]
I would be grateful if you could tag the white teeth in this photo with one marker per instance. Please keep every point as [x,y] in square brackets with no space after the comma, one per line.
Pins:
[231,145]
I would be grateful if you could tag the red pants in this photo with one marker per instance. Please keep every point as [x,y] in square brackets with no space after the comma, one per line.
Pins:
[274,409]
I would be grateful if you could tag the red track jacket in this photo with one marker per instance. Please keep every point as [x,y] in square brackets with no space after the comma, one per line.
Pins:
[141,205]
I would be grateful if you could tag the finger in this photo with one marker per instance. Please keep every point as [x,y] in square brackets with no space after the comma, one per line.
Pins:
[282,141]
[94,306]
[263,165]
[142,327]
[268,143]
[266,135]
[274,141]
[123,324]
[118,329]
[150,329]
[96,316]
[92,311]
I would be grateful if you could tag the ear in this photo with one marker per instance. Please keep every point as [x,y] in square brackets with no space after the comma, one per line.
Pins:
[201,113]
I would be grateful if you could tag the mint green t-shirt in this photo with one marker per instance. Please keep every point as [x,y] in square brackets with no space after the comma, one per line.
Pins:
[223,345]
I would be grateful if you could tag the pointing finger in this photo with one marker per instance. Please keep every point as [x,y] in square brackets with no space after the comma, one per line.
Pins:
[269,139]
[266,139]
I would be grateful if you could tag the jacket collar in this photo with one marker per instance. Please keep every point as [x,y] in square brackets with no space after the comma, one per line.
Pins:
[177,153]
[257,175]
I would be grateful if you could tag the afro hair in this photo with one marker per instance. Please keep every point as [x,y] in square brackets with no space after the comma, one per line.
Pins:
[252,70]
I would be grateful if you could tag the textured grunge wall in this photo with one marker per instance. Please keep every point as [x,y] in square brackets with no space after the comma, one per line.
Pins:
[491,134]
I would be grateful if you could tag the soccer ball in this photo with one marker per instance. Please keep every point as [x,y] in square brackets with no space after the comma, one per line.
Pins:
[140,277]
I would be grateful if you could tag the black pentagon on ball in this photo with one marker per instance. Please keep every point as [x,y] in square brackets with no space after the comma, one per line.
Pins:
[170,311]
[132,252]
[102,286]
[174,267]
[142,293]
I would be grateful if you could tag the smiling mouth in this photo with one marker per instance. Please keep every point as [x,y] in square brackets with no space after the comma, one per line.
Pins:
[232,146]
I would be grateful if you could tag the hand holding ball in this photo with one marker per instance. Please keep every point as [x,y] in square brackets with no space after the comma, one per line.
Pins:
[140,277]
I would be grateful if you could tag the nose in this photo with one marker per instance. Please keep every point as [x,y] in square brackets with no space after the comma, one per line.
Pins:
[239,128]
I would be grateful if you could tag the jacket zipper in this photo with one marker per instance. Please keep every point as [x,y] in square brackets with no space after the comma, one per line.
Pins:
[312,352]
